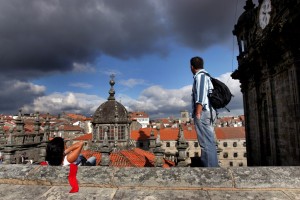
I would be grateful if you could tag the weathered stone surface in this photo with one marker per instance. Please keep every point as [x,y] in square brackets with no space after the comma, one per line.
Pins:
[9,191]
[174,177]
[293,194]
[48,182]
[96,175]
[59,193]
[266,177]
[50,174]
[251,195]
[15,171]
[146,194]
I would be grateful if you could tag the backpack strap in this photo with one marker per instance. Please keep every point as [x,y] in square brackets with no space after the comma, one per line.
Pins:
[210,107]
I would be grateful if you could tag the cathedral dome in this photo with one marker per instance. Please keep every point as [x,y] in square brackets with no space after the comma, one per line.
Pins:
[111,111]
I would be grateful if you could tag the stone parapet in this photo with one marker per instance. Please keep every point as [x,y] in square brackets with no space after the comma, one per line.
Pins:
[157,183]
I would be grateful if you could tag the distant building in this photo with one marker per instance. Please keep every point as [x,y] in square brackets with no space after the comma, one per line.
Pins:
[232,143]
[140,117]
[230,121]
[184,117]
[23,143]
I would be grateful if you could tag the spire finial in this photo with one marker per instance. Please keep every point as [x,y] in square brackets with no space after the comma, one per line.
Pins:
[112,90]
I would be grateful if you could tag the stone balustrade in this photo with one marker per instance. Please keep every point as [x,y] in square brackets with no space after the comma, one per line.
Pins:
[44,182]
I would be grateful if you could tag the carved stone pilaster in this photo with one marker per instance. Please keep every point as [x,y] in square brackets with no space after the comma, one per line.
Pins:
[105,150]
[152,143]
[158,151]
[181,148]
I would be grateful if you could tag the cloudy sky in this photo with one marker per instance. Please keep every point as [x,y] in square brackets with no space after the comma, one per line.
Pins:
[57,55]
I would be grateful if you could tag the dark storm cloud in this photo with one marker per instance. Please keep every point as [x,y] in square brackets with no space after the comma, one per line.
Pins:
[200,24]
[50,35]
[14,94]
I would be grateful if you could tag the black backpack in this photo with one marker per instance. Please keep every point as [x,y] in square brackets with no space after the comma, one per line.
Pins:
[220,95]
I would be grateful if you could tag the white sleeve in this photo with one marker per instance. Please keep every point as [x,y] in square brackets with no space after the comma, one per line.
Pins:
[66,162]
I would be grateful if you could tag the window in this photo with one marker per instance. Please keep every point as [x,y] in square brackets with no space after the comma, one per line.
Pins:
[230,164]
[196,154]
[225,155]
[241,164]
[196,144]
[168,144]
[224,144]
[121,132]
[118,131]
[235,155]
[245,155]
[111,133]
[235,144]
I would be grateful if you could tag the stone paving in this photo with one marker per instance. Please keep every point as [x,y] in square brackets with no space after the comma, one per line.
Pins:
[45,182]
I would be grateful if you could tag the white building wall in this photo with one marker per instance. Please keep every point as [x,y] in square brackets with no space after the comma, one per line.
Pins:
[233,153]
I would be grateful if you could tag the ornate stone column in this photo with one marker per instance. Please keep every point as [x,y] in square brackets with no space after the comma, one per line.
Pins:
[152,139]
[9,150]
[181,148]
[2,136]
[158,151]
[105,150]
[42,147]
[37,125]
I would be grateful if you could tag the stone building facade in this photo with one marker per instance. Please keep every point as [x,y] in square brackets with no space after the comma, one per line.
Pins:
[19,146]
[231,144]
[268,37]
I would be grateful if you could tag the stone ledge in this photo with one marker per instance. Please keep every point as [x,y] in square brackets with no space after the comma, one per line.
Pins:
[242,178]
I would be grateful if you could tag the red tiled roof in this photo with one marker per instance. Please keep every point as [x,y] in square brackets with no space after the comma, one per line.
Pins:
[172,133]
[129,158]
[165,134]
[230,132]
[72,128]
[165,120]
[75,116]
[138,114]
[29,128]
[84,137]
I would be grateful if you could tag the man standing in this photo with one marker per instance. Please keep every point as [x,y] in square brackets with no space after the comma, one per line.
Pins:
[202,113]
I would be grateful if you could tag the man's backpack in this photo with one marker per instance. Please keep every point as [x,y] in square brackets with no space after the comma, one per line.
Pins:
[220,95]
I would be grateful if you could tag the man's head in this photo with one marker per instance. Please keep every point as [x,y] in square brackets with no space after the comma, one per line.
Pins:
[196,64]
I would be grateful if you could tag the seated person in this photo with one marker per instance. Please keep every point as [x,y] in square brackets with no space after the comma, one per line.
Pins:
[57,154]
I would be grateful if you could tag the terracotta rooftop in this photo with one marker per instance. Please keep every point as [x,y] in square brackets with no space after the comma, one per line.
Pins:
[129,158]
[230,132]
[165,134]
[72,128]
[76,116]
[138,114]
[172,133]
[84,137]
